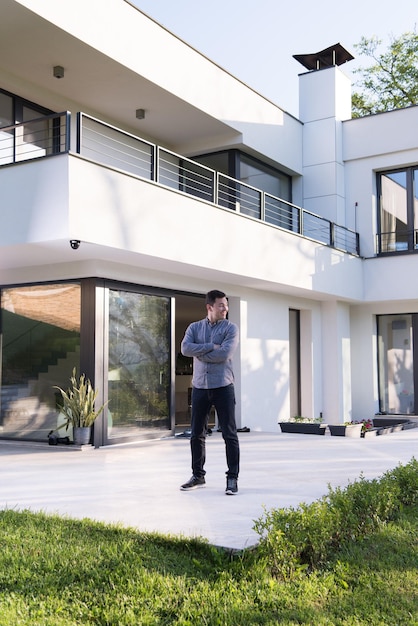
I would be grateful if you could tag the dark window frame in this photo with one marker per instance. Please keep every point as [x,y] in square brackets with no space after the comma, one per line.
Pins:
[18,104]
[412,236]
[234,166]
[380,319]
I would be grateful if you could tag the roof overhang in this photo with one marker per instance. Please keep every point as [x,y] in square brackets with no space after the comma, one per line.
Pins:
[31,45]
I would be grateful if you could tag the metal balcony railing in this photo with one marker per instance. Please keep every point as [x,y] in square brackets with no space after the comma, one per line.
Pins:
[185,175]
[115,148]
[110,146]
[41,137]
[397,241]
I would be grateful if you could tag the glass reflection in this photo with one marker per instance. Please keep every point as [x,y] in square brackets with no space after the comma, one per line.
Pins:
[139,363]
[396,365]
[40,346]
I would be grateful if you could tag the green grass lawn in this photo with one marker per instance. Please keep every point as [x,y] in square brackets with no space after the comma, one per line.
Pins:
[60,572]
[56,571]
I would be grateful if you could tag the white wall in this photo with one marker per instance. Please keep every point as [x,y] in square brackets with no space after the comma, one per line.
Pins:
[118,211]
[324,94]
[34,201]
[382,135]
[264,326]
[264,360]
[336,362]
[390,278]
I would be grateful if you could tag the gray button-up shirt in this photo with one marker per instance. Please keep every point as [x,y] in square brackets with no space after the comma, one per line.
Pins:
[211,368]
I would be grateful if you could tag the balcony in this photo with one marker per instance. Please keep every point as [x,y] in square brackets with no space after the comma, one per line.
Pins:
[109,146]
[399,241]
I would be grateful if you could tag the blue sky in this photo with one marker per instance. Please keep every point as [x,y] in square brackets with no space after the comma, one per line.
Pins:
[255,41]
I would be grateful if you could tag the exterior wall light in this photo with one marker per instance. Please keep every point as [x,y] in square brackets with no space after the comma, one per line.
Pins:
[58,71]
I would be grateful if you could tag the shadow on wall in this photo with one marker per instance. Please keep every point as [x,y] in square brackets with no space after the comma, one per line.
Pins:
[337,274]
[265,365]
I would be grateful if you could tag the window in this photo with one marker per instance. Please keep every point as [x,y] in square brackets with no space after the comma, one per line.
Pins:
[264,177]
[398,210]
[250,171]
[28,140]
[40,327]
[254,177]
[397,352]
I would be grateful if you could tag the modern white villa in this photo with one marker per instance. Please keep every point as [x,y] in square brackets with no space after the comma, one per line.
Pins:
[136,175]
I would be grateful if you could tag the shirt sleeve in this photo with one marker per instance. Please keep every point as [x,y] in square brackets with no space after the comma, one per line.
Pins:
[189,345]
[226,349]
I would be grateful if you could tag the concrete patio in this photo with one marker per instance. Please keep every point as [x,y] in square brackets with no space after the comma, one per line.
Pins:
[137,485]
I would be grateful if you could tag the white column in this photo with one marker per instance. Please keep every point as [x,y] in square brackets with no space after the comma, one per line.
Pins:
[325,100]
[336,362]
[364,363]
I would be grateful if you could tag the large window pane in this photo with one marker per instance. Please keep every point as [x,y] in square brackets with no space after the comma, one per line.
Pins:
[139,363]
[396,368]
[394,212]
[40,346]
[251,171]
[265,178]
[218,161]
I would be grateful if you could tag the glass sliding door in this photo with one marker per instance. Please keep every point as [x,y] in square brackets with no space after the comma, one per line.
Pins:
[40,332]
[139,372]
[396,363]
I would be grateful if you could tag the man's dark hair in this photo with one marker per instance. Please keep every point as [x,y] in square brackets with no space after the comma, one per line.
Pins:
[212,295]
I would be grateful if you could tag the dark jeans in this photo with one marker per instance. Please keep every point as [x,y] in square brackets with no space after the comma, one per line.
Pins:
[223,399]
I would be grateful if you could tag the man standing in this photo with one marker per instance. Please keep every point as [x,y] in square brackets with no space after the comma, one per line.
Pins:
[211,342]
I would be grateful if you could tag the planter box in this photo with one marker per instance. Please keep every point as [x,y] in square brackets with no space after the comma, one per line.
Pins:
[385,430]
[341,430]
[389,421]
[303,428]
[372,432]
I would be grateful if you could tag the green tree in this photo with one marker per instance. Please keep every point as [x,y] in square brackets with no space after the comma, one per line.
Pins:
[391,82]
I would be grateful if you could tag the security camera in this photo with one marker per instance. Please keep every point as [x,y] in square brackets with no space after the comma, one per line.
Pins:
[75,244]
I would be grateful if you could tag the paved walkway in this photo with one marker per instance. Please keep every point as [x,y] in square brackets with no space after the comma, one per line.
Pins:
[138,484]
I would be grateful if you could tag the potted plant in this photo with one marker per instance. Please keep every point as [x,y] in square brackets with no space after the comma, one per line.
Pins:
[78,408]
[303,425]
[367,428]
[348,429]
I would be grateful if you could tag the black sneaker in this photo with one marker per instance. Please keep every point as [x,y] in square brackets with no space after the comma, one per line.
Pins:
[193,483]
[231,486]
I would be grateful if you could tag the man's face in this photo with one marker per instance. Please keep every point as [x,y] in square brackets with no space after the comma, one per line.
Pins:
[217,311]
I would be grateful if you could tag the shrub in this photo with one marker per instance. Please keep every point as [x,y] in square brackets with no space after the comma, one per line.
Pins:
[404,478]
[294,540]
